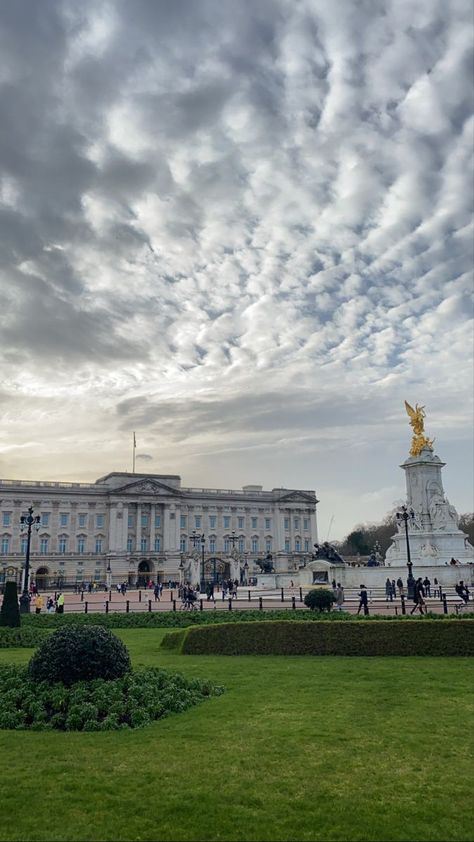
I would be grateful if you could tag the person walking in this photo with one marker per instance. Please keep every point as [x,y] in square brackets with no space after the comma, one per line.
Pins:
[156,591]
[400,587]
[394,589]
[388,590]
[427,586]
[418,597]
[60,604]
[363,600]
[339,594]
[39,603]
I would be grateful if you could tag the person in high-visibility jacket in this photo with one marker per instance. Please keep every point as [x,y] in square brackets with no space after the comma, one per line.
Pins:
[60,604]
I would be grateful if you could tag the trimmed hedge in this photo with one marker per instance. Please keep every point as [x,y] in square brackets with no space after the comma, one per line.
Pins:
[24,636]
[184,619]
[10,610]
[424,637]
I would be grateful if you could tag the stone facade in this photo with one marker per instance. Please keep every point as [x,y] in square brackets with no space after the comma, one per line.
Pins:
[138,524]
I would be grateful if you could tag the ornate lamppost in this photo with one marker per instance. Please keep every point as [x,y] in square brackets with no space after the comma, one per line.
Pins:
[405,516]
[27,522]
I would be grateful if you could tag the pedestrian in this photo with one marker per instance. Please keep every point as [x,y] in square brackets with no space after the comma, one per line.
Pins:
[363,600]
[462,591]
[436,588]
[333,584]
[39,603]
[388,590]
[50,605]
[427,586]
[60,604]
[418,597]
[400,586]
[394,589]
[156,591]
[339,594]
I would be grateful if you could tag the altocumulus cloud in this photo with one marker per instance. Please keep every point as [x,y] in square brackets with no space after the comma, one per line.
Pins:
[242,229]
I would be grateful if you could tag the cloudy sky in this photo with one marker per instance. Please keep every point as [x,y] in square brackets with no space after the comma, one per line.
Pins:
[241,228]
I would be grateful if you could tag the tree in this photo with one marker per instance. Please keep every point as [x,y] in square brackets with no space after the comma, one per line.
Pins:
[466,524]
[10,612]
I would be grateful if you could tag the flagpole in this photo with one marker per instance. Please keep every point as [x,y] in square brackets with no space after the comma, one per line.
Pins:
[133,453]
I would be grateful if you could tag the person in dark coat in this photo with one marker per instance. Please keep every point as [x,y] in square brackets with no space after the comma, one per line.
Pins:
[363,600]
[419,597]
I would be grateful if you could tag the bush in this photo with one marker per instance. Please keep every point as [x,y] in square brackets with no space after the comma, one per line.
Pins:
[420,637]
[10,612]
[28,636]
[319,600]
[77,653]
[184,619]
[132,701]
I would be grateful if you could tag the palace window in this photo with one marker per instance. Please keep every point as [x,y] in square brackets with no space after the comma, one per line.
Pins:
[241,545]
[226,545]
[98,545]
[226,522]
[23,545]
[143,545]
[5,545]
[197,521]
[255,545]
[305,523]
[287,545]
[297,545]
[43,546]
[183,545]
[268,523]
[254,523]
[130,521]
[44,518]
[287,522]
[212,545]
[157,544]
[99,521]
[296,523]
[240,523]
[157,521]
[81,546]
[182,521]
[212,521]
[82,520]
[129,545]
[7,518]
[144,520]
[62,545]
[268,545]
[306,545]
[63,518]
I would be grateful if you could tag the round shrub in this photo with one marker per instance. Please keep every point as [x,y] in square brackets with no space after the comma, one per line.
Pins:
[320,599]
[79,653]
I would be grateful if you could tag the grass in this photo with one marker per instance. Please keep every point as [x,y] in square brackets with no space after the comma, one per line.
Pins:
[298,748]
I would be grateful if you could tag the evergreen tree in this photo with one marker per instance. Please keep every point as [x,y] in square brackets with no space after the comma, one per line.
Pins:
[10,612]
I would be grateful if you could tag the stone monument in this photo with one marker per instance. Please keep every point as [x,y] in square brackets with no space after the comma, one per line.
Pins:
[434,535]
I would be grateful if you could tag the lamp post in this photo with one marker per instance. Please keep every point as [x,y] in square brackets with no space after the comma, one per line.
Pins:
[406,515]
[27,522]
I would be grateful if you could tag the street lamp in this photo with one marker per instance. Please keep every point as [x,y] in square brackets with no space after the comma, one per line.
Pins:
[27,522]
[408,515]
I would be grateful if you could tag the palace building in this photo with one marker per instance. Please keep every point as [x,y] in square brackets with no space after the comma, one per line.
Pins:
[135,526]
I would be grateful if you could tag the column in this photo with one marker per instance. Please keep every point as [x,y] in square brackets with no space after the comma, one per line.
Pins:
[177,540]
[113,528]
[152,527]
[124,528]
[314,529]
[166,528]
[279,543]
[138,528]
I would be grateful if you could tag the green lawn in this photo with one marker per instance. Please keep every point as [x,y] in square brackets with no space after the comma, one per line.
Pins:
[298,748]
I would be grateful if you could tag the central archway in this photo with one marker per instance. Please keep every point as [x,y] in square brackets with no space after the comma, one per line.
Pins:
[145,569]
[42,578]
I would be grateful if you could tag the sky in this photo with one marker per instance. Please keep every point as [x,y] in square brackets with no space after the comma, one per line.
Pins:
[242,230]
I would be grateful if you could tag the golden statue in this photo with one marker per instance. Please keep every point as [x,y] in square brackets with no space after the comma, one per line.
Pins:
[419,440]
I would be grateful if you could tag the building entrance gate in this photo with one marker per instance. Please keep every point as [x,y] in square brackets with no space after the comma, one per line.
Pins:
[215,571]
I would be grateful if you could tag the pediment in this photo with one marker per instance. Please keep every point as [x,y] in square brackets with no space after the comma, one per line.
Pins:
[297,497]
[148,486]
